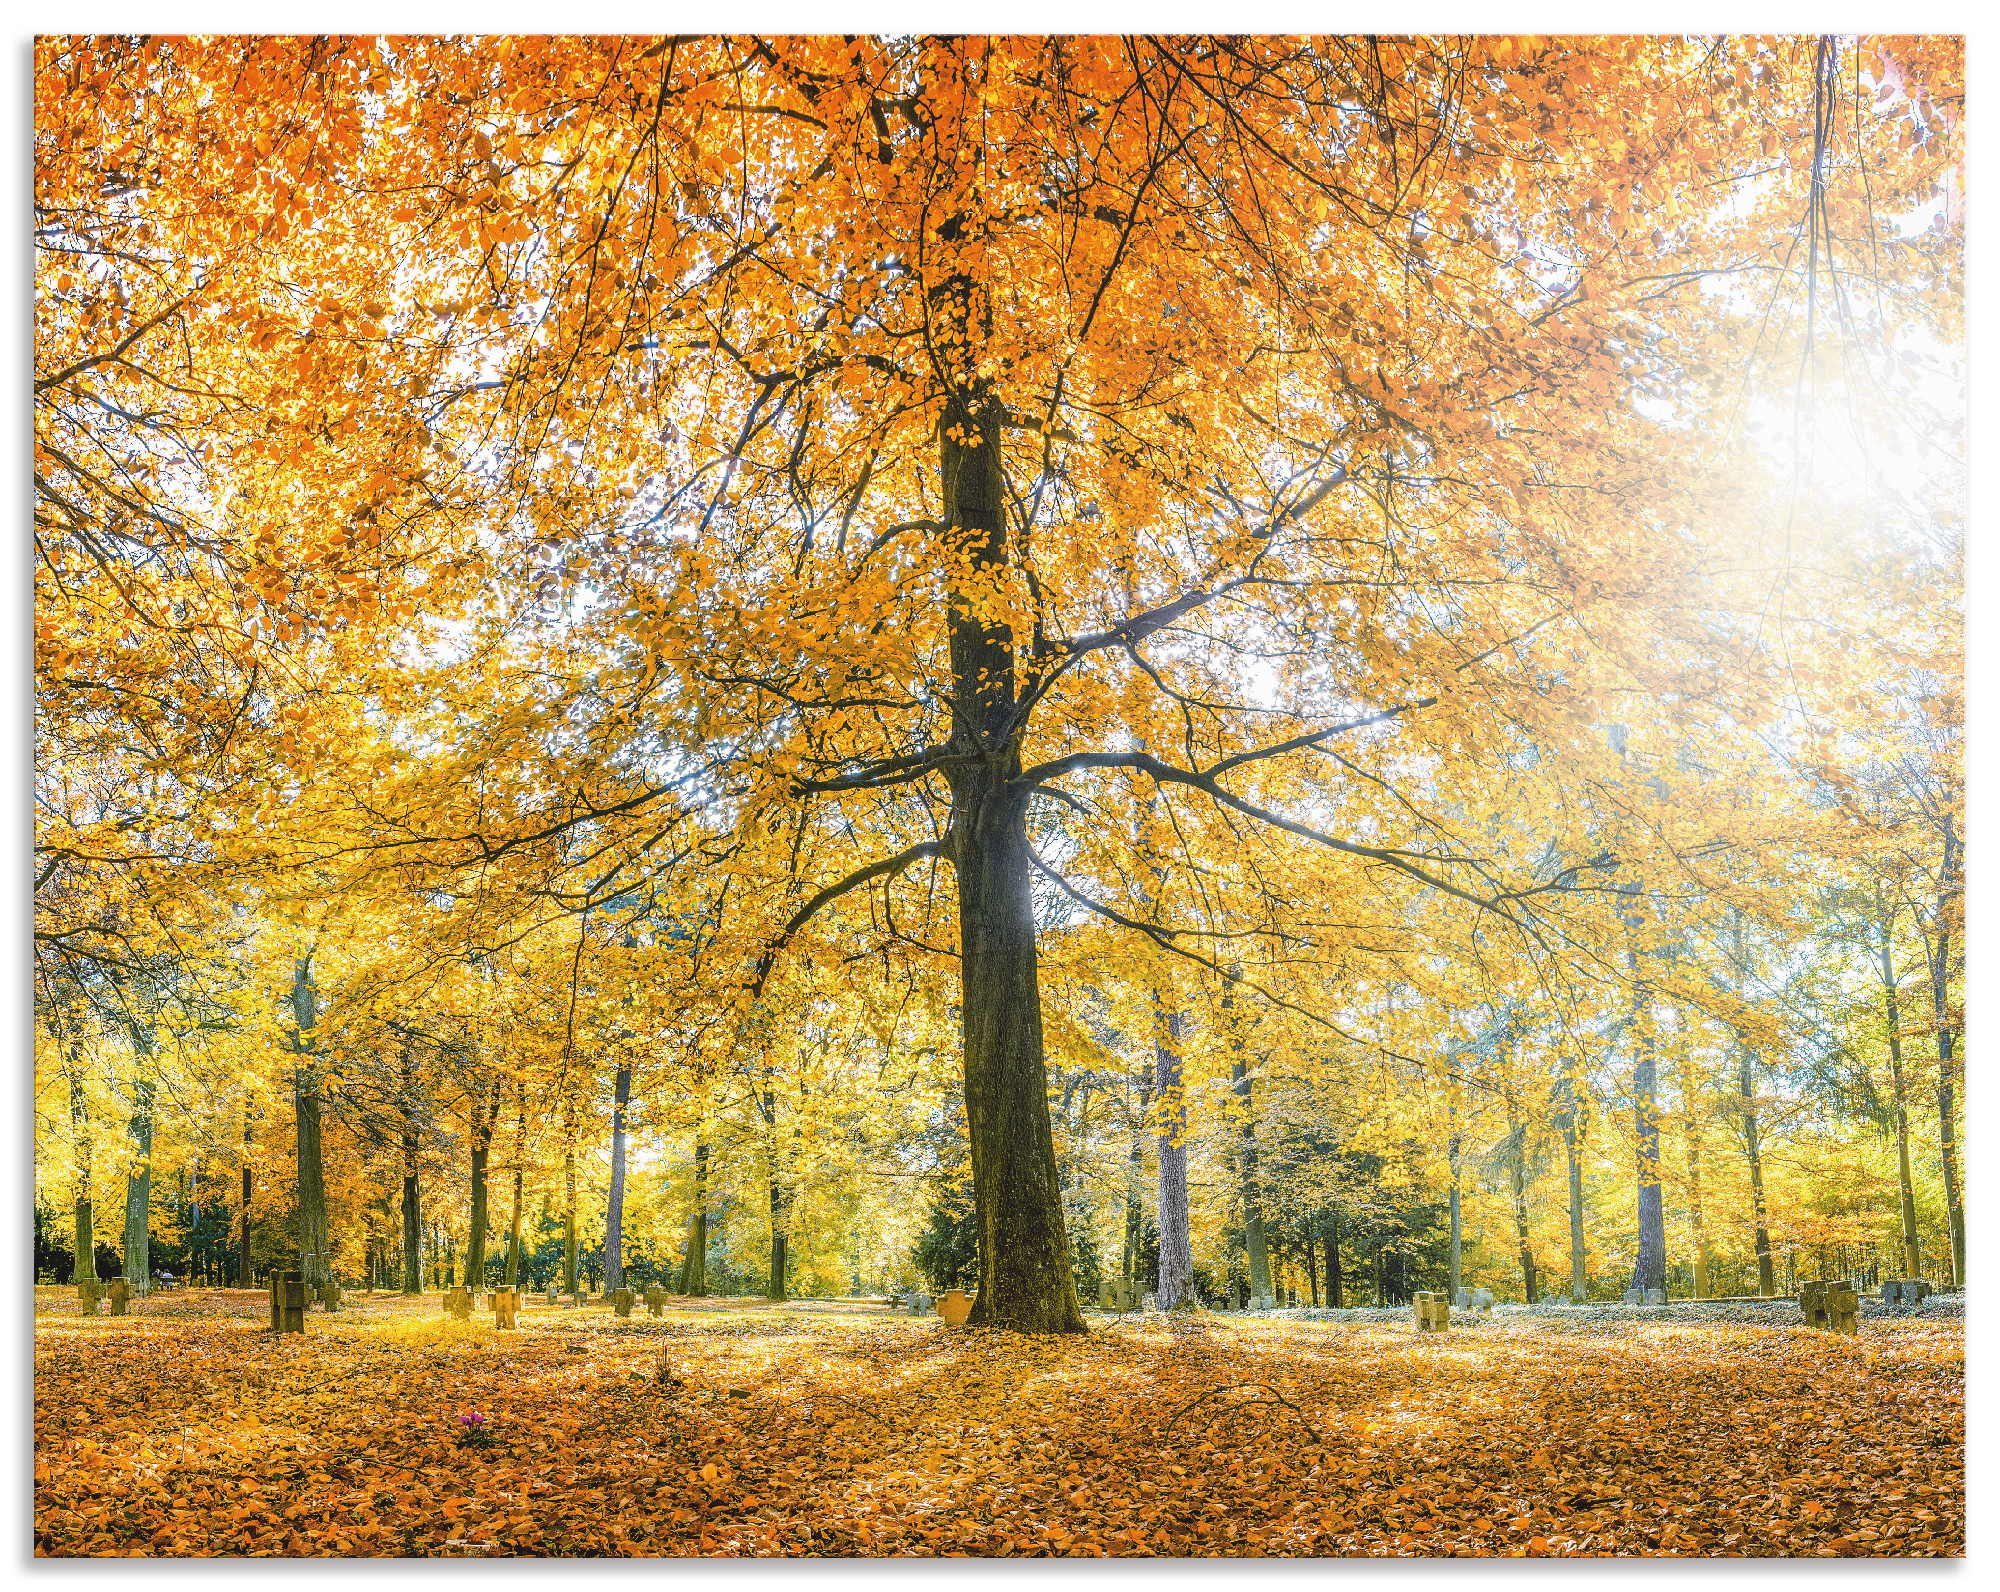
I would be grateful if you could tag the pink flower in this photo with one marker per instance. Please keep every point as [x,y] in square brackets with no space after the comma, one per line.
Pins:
[472,1418]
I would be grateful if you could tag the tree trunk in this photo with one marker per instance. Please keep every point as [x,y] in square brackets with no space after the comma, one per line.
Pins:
[1457,1261]
[1905,1183]
[1650,1269]
[1697,1214]
[1135,1205]
[1026,1279]
[138,1236]
[1333,1290]
[614,1211]
[1947,1051]
[413,1210]
[1256,1249]
[244,1278]
[315,1260]
[694,1264]
[520,1175]
[1518,1175]
[569,1195]
[1572,1134]
[1767,1280]
[1176,1289]
[82,1152]
[483,1117]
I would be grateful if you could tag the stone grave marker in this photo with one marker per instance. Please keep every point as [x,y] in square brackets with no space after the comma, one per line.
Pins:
[506,1303]
[1433,1312]
[656,1298]
[88,1292]
[458,1303]
[288,1302]
[120,1296]
[621,1300]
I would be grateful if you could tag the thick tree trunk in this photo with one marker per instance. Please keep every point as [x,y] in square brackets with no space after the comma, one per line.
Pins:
[614,1211]
[1025,1265]
[1892,1009]
[1176,1290]
[694,1264]
[1026,1279]
[776,1283]
[1650,1269]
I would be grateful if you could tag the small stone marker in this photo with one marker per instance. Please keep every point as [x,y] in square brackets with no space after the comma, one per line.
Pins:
[656,1298]
[329,1294]
[1473,1299]
[506,1301]
[621,1300]
[1433,1312]
[288,1302]
[1830,1307]
[552,1297]
[1635,1296]
[88,1292]
[458,1303]
[1905,1291]
[120,1296]
[1656,1296]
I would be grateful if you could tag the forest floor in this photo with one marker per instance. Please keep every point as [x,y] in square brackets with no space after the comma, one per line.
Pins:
[831,1429]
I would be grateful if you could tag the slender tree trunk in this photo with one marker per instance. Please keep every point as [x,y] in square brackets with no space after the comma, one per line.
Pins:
[694,1265]
[1753,1153]
[1176,1290]
[315,1259]
[1572,1135]
[249,1191]
[614,1212]
[779,1201]
[569,1194]
[1949,1065]
[1518,1170]
[413,1209]
[1650,1269]
[1135,1206]
[1333,1279]
[1697,1214]
[1309,1256]
[1256,1248]
[483,1116]
[520,1175]
[1892,1007]
[82,1150]
[138,1236]
[777,1284]
[1457,1223]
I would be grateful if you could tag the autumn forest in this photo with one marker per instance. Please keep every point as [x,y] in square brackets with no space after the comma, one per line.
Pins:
[1067,795]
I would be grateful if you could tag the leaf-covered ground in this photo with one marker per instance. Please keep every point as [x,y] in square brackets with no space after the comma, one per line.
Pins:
[830,1429]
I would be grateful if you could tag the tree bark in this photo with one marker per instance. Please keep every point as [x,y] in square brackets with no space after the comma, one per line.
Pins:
[694,1264]
[483,1117]
[569,1193]
[1767,1280]
[520,1175]
[315,1261]
[1650,1269]
[1949,1064]
[1135,1206]
[1256,1247]
[138,1235]
[1333,1279]
[1457,1255]
[1572,1135]
[614,1211]
[1518,1174]
[1892,1010]
[413,1210]
[1176,1289]
[82,1150]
